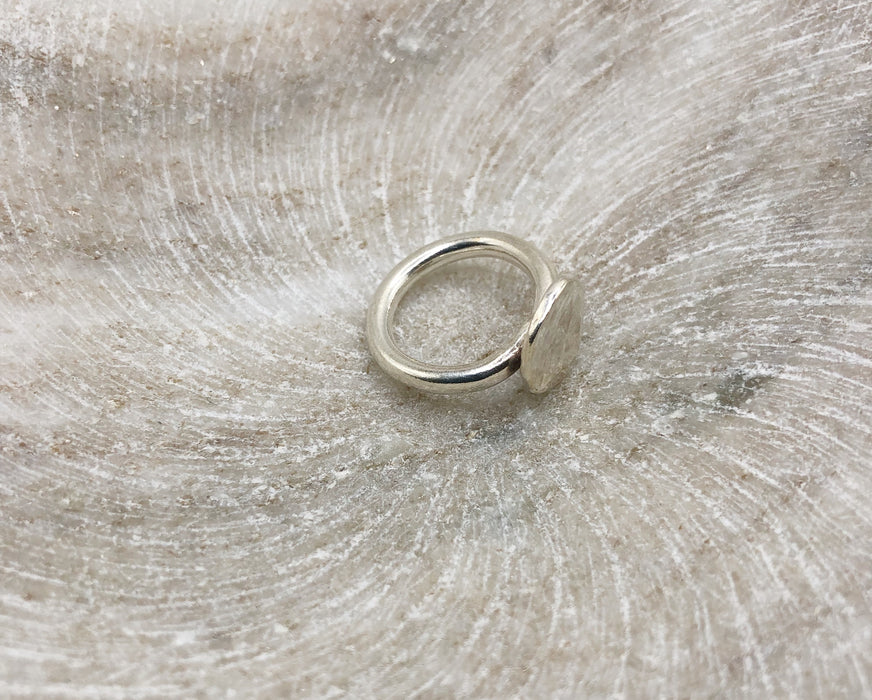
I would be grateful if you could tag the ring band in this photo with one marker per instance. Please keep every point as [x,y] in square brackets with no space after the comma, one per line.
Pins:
[543,350]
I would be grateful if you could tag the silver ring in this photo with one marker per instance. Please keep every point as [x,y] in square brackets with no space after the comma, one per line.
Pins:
[543,350]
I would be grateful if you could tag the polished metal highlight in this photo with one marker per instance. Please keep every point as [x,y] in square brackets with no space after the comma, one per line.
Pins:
[543,350]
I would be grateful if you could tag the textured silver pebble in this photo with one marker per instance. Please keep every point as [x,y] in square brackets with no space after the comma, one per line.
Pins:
[553,340]
[207,487]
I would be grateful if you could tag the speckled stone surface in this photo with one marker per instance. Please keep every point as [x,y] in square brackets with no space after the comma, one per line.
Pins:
[208,489]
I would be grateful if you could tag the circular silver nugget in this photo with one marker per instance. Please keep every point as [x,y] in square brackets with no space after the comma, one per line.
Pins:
[543,350]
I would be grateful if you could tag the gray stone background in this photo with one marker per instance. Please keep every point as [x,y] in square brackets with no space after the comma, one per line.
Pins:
[206,487]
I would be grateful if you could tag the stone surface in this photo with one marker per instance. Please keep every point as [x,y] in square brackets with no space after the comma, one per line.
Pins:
[208,490]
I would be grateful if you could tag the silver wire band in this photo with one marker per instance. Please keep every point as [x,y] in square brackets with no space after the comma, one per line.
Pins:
[451,379]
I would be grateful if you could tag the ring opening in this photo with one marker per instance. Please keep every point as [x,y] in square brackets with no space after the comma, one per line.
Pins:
[463,312]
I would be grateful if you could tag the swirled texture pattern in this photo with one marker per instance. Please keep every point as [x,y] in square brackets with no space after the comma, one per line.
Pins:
[209,490]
